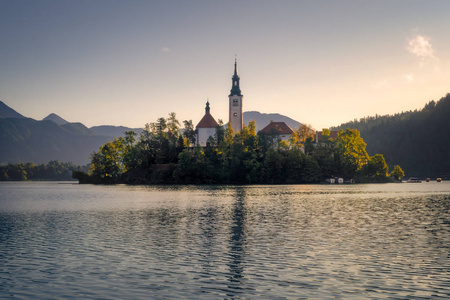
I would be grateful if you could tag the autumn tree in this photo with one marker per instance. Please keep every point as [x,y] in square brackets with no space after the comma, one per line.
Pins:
[351,151]
[305,131]
[397,173]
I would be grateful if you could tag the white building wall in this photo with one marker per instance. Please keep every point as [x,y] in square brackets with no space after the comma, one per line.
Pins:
[285,137]
[203,134]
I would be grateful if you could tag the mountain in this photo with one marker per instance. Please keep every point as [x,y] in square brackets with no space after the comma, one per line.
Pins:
[28,140]
[8,112]
[262,119]
[113,131]
[418,141]
[55,118]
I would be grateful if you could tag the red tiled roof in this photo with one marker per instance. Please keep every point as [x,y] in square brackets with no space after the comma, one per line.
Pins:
[207,121]
[278,128]
[333,135]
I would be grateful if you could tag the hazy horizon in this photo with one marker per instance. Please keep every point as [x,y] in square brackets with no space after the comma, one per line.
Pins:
[127,63]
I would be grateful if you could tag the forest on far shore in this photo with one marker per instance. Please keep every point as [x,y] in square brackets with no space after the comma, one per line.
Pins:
[54,170]
[417,140]
[163,154]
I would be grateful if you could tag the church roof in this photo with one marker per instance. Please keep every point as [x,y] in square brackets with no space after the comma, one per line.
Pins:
[207,121]
[280,128]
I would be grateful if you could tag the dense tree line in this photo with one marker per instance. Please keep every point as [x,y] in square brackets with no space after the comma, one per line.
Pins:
[163,153]
[417,140]
[54,170]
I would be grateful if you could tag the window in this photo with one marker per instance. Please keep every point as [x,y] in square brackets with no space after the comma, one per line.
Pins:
[235,102]
[235,114]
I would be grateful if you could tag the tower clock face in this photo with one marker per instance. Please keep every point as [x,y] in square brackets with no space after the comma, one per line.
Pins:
[235,114]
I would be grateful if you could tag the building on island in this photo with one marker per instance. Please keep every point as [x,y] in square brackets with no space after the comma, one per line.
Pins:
[236,105]
[206,127]
[333,135]
[279,129]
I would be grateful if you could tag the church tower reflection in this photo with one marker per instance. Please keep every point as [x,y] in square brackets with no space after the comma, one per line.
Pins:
[237,240]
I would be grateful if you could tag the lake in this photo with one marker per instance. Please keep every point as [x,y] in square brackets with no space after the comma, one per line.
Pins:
[65,240]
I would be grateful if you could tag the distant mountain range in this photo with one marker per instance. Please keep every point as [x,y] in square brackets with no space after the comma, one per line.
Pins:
[27,140]
[24,139]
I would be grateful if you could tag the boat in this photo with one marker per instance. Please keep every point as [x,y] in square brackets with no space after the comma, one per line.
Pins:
[439,179]
[414,180]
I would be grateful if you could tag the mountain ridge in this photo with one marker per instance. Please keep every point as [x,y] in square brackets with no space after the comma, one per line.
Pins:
[55,118]
[8,112]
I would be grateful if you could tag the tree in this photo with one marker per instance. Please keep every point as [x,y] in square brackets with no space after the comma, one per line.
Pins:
[106,164]
[376,169]
[397,173]
[173,125]
[128,151]
[310,171]
[191,166]
[220,133]
[305,131]
[189,133]
[351,151]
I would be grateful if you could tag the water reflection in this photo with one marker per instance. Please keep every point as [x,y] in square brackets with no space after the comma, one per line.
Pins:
[225,242]
[237,241]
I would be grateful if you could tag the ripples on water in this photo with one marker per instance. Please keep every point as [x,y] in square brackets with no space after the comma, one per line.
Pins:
[313,241]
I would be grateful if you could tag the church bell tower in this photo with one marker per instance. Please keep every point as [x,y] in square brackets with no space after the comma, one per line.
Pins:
[236,115]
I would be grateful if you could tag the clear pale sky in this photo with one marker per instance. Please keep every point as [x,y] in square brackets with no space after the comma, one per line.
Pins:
[130,62]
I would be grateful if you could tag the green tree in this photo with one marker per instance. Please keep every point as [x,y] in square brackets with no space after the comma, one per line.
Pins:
[191,166]
[173,125]
[189,133]
[376,169]
[220,133]
[351,151]
[397,173]
[310,171]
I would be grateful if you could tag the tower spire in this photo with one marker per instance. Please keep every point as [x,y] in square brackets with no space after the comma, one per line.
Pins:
[207,109]
[235,90]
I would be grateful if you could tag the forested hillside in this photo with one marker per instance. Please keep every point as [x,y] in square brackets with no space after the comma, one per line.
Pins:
[418,140]
[28,140]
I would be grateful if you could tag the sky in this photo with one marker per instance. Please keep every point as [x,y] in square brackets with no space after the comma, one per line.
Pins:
[130,62]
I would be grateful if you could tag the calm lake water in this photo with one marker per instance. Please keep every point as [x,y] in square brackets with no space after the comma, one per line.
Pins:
[64,240]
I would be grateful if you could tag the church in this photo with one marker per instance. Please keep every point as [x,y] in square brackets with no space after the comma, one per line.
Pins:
[207,125]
